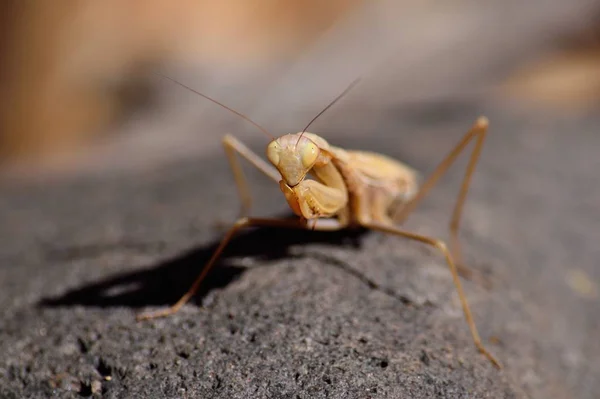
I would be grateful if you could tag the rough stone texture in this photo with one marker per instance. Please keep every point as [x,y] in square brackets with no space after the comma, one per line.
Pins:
[293,314]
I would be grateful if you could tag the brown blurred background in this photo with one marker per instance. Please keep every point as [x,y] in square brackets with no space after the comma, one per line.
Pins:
[75,75]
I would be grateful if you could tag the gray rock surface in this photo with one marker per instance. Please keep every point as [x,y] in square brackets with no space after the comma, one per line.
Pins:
[291,314]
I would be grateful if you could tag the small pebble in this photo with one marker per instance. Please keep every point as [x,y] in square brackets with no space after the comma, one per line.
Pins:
[581,284]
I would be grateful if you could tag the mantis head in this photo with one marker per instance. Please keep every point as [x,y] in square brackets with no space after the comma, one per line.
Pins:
[293,155]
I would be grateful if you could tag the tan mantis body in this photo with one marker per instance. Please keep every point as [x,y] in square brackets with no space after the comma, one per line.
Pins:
[355,187]
[346,189]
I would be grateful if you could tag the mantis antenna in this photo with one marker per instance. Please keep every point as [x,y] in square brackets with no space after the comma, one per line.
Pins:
[262,129]
[354,83]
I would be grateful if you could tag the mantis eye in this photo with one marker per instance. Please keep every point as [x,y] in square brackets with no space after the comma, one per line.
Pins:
[273,153]
[310,152]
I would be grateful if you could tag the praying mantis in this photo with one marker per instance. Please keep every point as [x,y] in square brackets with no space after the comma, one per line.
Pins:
[348,188]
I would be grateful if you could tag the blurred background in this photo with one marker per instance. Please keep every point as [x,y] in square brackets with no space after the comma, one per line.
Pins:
[80,92]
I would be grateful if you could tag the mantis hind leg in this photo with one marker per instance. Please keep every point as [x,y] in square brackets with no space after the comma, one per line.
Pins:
[233,147]
[478,131]
[441,246]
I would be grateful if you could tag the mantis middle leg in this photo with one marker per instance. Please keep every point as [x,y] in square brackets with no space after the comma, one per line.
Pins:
[319,224]
[441,246]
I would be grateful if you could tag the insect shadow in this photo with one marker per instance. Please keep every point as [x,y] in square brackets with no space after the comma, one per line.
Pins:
[164,282]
